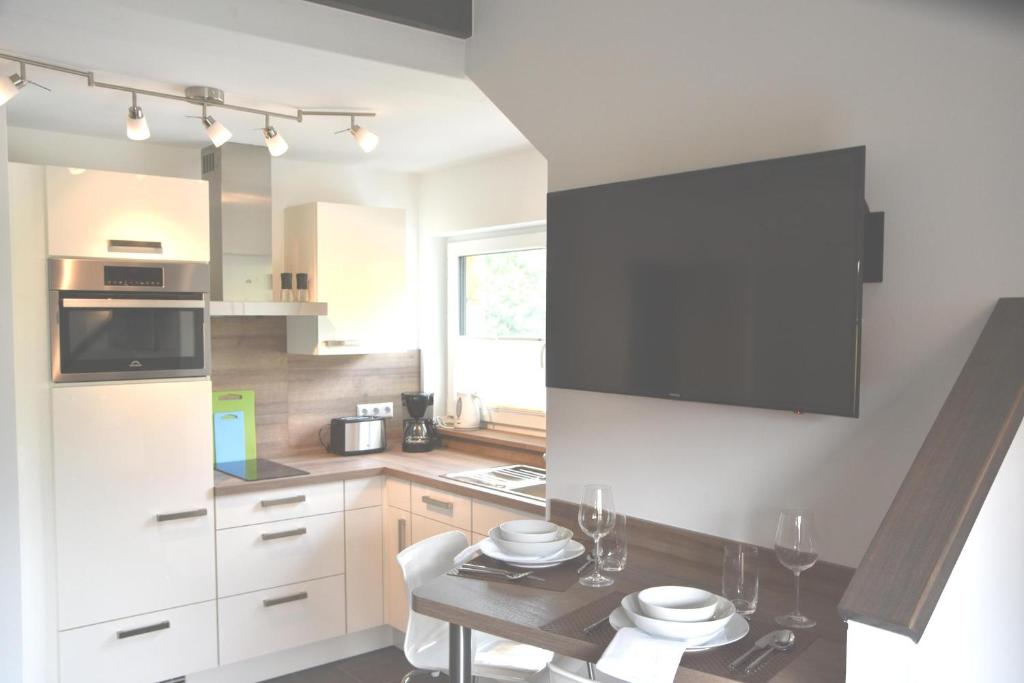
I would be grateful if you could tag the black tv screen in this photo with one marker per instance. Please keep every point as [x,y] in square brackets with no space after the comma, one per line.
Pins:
[738,285]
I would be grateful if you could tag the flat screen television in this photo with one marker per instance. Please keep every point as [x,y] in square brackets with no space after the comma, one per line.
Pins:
[738,285]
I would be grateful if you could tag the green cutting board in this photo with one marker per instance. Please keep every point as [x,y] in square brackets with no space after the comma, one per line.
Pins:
[239,401]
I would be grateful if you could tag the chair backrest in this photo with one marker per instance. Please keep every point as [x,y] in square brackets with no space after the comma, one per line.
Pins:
[426,638]
[560,675]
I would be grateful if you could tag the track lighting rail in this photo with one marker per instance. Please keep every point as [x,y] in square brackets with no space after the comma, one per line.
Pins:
[210,97]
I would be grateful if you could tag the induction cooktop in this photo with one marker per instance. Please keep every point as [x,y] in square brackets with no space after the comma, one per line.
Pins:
[255,470]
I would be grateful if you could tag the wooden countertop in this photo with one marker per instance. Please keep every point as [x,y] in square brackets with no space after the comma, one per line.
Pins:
[425,468]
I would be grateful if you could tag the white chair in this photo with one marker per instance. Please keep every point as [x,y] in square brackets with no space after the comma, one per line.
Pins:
[426,638]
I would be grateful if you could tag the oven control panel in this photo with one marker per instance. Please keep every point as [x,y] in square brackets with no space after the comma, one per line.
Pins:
[133,276]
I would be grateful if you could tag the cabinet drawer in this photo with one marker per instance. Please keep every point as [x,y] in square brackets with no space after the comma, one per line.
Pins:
[398,493]
[487,516]
[441,506]
[149,647]
[280,618]
[262,556]
[363,493]
[425,528]
[285,502]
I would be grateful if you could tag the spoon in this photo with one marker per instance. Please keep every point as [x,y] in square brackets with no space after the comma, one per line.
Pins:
[764,641]
[782,641]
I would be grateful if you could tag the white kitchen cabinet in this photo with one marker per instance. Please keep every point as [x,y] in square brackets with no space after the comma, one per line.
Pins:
[364,492]
[148,647]
[397,530]
[441,506]
[364,568]
[282,502]
[276,553]
[356,260]
[103,214]
[279,618]
[133,498]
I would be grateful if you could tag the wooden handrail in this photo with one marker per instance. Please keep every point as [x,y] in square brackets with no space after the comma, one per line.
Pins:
[906,567]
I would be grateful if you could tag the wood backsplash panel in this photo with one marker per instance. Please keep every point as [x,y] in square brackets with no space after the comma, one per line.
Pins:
[322,387]
[249,353]
[297,395]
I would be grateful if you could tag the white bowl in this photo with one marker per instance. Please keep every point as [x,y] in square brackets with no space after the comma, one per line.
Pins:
[530,531]
[677,603]
[531,550]
[691,631]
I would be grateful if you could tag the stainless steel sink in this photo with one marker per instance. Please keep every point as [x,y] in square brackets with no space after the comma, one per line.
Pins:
[520,480]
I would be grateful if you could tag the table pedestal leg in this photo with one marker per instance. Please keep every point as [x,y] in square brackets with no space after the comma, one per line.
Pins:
[460,654]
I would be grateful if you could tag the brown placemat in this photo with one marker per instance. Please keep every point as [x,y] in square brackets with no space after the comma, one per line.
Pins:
[714,661]
[558,579]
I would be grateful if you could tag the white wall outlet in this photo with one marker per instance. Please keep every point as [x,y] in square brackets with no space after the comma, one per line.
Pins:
[376,409]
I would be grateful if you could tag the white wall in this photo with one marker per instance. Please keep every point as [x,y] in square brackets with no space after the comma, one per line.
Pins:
[457,201]
[10,555]
[975,631]
[507,189]
[932,89]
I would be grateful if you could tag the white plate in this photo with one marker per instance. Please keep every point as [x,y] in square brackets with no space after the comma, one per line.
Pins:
[735,629]
[571,551]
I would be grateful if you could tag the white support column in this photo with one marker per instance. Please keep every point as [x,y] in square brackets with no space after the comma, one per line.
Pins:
[10,546]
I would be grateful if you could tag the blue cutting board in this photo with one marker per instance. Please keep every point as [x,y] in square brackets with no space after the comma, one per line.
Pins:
[229,436]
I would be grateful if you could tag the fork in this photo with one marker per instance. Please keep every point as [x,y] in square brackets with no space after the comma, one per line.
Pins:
[491,571]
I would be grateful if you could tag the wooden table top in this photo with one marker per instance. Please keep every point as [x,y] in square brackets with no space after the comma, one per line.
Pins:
[518,611]
[425,468]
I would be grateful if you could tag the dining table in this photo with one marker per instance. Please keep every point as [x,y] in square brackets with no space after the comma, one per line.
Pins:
[557,614]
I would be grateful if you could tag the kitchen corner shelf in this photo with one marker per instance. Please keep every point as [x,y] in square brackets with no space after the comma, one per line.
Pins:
[246,308]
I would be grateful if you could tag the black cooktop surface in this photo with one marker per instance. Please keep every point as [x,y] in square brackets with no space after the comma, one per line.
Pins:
[255,470]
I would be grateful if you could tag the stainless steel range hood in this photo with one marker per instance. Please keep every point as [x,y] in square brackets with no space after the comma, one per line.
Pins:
[241,264]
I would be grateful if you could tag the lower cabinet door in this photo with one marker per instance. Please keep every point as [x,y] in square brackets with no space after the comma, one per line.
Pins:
[266,621]
[364,568]
[142,649]
[396,539]
[422,527]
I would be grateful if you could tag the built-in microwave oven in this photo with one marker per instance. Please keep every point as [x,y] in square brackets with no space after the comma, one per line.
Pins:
[114,320]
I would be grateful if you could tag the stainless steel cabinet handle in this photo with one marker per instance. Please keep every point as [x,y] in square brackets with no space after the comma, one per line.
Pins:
[283,501]
[132,303]
[443,504]
[283,534]
[167,517]
[128,633]
[135,246]
[287,598]
[401,534]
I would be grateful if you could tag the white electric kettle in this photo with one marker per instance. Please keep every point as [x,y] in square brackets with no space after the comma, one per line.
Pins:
[467,411]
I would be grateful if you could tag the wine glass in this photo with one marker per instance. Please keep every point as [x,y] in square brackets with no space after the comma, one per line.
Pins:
[795,548]
[596,518]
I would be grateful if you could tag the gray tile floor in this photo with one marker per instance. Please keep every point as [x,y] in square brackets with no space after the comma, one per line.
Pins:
[380,666]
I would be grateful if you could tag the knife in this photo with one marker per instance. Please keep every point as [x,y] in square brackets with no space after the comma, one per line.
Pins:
[761,643]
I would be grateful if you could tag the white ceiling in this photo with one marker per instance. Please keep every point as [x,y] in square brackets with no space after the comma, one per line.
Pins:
[428,113]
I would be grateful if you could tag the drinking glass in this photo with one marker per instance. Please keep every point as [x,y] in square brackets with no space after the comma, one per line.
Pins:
[796,550]
[739,576]
[616,546]
[596,518]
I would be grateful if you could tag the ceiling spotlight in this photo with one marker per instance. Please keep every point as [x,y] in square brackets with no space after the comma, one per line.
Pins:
[365,138]
[276,144]
[215,130]
[138,129]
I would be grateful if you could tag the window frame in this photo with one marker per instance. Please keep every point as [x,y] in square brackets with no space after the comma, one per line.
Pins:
[506,417]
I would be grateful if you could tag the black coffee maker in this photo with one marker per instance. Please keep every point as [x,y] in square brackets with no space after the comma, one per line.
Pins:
[420,434]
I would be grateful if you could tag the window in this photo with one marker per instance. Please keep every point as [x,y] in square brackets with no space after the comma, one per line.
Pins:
[497,302]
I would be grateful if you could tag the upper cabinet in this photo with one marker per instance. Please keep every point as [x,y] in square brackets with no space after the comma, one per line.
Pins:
[103,214]
[356,260]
